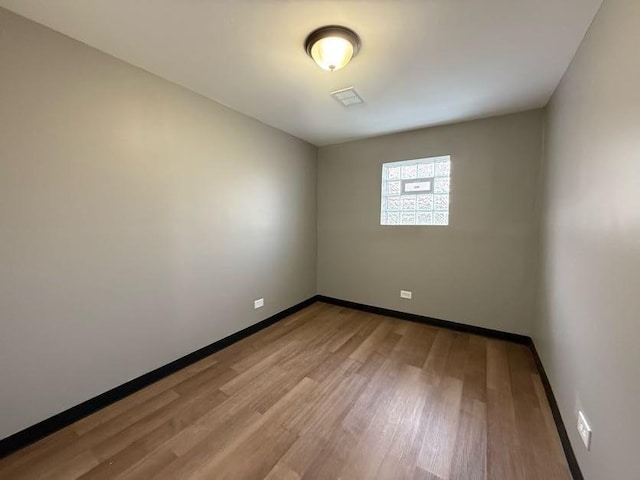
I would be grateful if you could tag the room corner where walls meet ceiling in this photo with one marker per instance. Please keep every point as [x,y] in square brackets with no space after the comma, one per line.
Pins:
[421,63]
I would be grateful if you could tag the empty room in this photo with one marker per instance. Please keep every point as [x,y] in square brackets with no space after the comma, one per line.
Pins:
[320,239]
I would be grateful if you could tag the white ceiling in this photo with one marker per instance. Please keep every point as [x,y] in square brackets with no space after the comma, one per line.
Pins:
[422,63]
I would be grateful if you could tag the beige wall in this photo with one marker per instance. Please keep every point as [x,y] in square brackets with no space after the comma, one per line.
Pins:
[588,327]
[138,222]
[478,270]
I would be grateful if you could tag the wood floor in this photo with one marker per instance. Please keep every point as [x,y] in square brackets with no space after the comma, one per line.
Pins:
[327,393]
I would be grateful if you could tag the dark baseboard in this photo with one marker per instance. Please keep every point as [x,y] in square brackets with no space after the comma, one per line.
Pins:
[562,431]
[50,425]
[412,317]
[46,427]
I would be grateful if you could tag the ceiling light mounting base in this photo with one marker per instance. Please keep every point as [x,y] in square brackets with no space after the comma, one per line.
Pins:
[332,46]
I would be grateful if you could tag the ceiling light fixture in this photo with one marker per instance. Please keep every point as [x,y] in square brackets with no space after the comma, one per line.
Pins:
[332,47]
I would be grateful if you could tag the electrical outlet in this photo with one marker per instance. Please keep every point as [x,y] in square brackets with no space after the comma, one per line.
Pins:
[258,303]
[584,429]
[406,294]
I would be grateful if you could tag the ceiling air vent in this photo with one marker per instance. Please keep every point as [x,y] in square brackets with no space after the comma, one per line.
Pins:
[347,97]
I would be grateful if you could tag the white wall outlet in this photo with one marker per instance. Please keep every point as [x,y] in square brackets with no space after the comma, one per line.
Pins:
[584,429]
[258,303]
[406,294]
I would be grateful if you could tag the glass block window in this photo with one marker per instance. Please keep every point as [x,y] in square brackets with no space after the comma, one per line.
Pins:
[416,192]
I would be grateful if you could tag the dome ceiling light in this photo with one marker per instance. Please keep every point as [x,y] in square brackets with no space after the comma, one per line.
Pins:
[332,47]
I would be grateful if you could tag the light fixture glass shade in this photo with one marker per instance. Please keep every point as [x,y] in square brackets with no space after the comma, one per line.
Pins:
[332,53]
[332,47]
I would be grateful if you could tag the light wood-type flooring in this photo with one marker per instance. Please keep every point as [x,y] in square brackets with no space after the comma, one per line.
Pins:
[327,393]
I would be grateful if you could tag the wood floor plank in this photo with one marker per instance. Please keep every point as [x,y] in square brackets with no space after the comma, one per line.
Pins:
[373,341]
[326,393]
[334,452]
[149,466]
[163,423]
[73,468]
[409,417]
[436,361]
[440,431]
[13,463]
[39,465]
[245,377]
[333,385]
[414,346]
[504,452]
[317,421]
[225,430]
[346,330]
[89,423]
[282,472]
[470,451]
[469,460]
[396,409]
[530,421]
[551,432]
[475,372]
[421,474]
[124,450]
[253,457]
[333,361]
